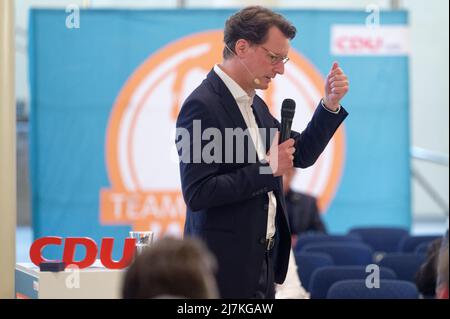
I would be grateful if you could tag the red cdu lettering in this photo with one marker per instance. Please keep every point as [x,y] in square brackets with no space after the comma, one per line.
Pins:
[70,245]
[127,256]
[38,245]
[69,251]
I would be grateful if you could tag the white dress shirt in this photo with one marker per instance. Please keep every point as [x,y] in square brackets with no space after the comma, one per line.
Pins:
[244,102]
[292,287]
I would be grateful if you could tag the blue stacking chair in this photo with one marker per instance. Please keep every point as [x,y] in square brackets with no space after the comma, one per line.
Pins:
[306,239]
[381,239]
[308,262]
[409,243]
[422,248]
[323,278]
[343,253]
[405,266]
[389,289]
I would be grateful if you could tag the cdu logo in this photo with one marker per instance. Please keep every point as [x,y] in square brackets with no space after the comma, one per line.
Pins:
[141,156]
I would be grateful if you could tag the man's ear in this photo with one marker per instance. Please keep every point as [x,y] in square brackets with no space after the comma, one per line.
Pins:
[241,47]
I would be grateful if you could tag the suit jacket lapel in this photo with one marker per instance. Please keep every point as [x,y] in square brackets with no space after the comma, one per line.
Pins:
[227,101]
[233,111]
[258,110]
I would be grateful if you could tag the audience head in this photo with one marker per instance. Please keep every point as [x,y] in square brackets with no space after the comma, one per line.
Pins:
[172,268]
[442,271]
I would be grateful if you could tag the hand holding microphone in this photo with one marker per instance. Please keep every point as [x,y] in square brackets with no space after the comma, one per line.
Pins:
[281,156]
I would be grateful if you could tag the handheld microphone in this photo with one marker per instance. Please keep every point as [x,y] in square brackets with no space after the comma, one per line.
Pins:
[255,79]
[287,114]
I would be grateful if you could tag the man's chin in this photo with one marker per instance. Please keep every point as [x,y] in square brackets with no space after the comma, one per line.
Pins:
[263,86]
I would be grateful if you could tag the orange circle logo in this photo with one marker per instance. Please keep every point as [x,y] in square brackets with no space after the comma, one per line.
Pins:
[140,150]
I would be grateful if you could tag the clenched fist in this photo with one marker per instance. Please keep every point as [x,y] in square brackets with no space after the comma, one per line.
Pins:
[335,88]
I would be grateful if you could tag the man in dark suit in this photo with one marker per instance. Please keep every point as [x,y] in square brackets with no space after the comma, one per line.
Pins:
[303,212]
[234,200]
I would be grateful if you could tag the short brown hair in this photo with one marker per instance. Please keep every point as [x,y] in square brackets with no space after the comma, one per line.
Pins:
[172,268]
[252,24]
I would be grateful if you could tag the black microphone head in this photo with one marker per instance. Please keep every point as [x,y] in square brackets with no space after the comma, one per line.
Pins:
[288,108]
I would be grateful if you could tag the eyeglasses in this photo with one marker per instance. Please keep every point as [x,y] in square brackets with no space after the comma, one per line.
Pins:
[275,58]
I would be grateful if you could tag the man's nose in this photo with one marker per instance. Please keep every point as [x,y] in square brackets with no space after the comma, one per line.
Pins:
[279,68]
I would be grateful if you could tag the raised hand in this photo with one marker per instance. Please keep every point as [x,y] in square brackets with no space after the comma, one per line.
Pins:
[336,87]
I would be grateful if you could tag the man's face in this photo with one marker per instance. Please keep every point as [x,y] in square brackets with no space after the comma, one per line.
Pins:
[266,59]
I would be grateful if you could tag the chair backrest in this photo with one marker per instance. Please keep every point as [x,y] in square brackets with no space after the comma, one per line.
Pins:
[357,289]
[343,253]
[404,265]
[381,239]
[323,278]
[409,243]
[308,262]
[422,248]
[306,239]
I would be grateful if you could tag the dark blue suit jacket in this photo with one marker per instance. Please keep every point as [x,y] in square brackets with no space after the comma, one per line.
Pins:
[227,203]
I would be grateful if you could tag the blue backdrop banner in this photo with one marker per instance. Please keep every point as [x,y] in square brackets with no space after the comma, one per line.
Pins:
[105,95]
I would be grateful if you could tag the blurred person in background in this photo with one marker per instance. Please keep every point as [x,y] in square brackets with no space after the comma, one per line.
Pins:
[292,287]
[303,212]
[426,276]
[442,270]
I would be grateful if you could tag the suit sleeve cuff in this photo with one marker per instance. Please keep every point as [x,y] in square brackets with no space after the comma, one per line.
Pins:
[334,112]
